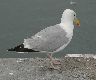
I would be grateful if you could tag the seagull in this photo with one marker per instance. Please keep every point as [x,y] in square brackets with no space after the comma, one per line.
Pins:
[51,39]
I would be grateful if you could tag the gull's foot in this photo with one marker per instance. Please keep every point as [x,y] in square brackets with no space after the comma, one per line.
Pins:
[53,67]
[56,62]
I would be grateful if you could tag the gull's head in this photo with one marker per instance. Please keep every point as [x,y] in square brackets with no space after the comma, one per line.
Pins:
[69,17]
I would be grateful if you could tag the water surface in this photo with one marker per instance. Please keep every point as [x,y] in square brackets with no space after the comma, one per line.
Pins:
[20,19]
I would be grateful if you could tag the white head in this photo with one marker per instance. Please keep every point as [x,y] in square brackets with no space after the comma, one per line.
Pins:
[69,16]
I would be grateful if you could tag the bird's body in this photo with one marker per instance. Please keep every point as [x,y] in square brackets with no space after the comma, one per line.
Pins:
[51,39]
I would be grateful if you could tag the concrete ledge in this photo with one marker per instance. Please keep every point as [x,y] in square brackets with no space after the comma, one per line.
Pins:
[81,55]
[73,67]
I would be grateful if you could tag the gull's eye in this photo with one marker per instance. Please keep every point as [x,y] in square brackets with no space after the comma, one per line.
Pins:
[74,14]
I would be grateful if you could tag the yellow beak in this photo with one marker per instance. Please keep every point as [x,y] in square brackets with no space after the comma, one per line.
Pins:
[77,22]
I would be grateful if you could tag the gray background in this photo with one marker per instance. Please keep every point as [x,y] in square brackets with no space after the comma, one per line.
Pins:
[20,19]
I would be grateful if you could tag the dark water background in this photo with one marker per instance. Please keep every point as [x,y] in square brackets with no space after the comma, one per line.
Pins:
[20,19]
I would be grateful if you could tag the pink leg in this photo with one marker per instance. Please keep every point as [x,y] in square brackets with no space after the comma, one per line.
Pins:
[55,62]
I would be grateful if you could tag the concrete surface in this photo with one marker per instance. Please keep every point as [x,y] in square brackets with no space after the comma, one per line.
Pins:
[71,68]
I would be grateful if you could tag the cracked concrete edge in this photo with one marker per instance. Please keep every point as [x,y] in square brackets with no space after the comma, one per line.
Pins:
[82,55]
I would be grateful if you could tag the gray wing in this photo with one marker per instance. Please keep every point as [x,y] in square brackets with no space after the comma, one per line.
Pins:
[48,39]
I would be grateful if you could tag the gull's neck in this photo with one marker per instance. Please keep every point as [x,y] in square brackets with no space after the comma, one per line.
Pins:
[68,27]
[67,22]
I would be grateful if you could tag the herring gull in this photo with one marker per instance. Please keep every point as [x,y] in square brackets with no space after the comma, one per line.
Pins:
[51,39]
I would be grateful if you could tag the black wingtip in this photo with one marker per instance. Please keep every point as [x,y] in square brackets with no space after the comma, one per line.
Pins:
[10,49]
[20,48]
